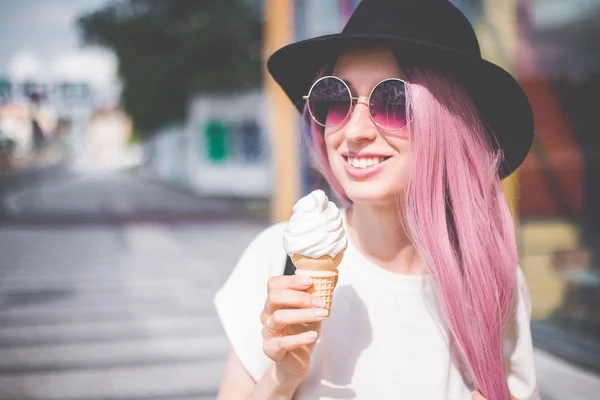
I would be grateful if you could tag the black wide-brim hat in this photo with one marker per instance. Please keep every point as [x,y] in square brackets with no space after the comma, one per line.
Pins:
[427,32]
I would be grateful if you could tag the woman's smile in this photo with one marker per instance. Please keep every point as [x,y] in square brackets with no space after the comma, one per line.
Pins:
[364,165]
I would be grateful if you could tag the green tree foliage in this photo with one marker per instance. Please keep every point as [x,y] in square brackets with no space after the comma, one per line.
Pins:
[170,49]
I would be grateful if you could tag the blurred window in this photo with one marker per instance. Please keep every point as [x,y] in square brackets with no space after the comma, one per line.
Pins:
[5,91]
[216,136]
[252,146]
[74,92]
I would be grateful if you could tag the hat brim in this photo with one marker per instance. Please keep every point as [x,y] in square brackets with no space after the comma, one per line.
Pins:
[498,96]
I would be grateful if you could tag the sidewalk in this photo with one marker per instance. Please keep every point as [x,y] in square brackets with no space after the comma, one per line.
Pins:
[114,312]
[560,380]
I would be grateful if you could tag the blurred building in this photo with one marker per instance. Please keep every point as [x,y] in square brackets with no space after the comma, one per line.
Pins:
[26,117]
[107,143]
[221,149]
[49,110]
[51,121]
[229,153]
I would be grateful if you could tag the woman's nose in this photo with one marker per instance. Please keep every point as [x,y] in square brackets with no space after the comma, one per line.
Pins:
[360,127]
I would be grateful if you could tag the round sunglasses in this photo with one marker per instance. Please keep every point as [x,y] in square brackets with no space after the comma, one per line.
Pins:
[330,103]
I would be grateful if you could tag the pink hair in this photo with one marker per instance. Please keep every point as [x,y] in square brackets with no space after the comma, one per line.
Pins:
[458,220]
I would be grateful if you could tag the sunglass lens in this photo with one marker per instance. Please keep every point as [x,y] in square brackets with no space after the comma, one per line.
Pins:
[388,105]
[329,101]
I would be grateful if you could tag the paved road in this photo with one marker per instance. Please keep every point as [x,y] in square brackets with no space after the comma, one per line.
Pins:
[117,197]
[114,313]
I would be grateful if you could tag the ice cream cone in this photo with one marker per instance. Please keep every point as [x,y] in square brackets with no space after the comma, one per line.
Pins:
[315,239]
[324,273]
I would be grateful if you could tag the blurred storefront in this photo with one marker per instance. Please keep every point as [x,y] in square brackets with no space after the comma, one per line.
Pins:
[31,123]
[219,150]
[228,153]
[553,48]
[558,65]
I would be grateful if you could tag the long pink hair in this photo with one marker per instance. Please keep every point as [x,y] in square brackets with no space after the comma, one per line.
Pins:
[458,219]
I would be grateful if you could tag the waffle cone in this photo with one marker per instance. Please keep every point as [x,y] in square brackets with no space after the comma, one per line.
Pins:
[323,272]
[323,285]
[324,263]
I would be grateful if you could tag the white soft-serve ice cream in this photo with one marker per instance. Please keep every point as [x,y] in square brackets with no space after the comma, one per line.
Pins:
[316,228]
[315,239]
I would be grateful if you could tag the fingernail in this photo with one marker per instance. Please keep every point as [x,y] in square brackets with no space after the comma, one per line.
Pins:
[305,280]
[317,302]
[321,312]
[311,334]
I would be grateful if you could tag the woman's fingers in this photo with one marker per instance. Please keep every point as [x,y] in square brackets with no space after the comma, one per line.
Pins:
[289,305]
[276,348]
[288,298]
[288,343]
[284,317]
[296,282]
[274,324]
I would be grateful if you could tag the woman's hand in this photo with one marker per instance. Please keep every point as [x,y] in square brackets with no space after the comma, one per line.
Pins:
[291,322]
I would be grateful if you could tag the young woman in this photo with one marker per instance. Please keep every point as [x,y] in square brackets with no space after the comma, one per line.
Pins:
[413,131]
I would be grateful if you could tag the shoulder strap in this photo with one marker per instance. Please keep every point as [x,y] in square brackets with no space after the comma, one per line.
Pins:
[290,268]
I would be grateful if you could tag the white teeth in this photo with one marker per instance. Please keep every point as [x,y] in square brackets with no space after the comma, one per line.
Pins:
[364,162]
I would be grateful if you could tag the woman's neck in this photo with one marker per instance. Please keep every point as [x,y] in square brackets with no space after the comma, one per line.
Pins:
[378,232]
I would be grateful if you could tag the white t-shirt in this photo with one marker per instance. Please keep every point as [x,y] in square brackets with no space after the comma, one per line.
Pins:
[384,339]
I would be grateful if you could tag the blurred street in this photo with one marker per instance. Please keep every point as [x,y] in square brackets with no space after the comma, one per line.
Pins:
[123,310]
[113,196]
[113,311]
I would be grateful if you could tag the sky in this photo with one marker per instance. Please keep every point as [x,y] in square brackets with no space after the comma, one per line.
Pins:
[39,39]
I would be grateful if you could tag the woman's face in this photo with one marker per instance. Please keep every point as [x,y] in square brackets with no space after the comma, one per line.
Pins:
[360,138]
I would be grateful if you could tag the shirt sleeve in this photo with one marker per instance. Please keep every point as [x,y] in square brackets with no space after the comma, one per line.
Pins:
[518,346]
[241,299]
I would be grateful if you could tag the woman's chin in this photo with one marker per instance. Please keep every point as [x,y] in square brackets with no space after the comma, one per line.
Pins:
[370,194]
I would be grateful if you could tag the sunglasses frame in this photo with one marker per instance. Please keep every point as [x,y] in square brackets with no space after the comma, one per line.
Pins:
[353,102]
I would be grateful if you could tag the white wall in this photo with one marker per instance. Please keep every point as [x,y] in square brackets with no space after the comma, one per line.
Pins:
[165,155]
[235,180]
[234,176]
